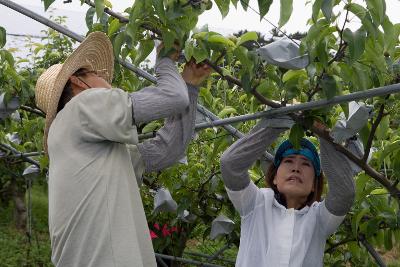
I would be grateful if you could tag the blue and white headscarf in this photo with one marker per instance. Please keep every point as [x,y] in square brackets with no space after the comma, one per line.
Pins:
[307,149]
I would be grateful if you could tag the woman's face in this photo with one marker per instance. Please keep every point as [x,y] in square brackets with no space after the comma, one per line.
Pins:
[295,177]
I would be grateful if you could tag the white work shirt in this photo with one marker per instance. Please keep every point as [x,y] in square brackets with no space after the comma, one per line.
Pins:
[96,215]
[274,236]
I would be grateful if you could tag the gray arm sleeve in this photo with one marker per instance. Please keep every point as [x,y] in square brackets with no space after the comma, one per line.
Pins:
[338,171]
[167,98]
[171,140]
[238,158]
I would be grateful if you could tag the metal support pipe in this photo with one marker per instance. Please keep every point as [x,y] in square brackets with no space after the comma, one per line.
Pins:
[41,19]
[197,254]
[380,91]
[161,262]
[197,263]
[17,153]
[28,154]
[219,252]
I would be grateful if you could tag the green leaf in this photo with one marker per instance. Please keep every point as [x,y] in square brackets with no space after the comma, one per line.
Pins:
[44,162]
[361,79]
[246,82]
[326,8]
[9,58]
[357,10]
[47,4]
[200,54]
[391,37]
[361,181]
[188,52]
[383,129]
[377,8]
[137,12]
[286,11]
[228,110]
[145,48]
[131,30]
[168,38]
[356,41]
[248,36]
[292,89]
[3,37]
[293,74]
[388,240]
[223,6]
[296,133]
[242,55]
[379,191]
[322,53]
[318,32]
[114,27]
[225,71]
[99,4]
[315,10]
[363,15]
[356,220]
[263,7]
[159,8]
[118,42]
[265,89]
[329,86]
[150,127]
[89,17]
[234,2]
[245,4]
[389,149]
[219,39]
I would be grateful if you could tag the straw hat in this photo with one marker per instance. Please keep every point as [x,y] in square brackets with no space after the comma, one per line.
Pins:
[94,53]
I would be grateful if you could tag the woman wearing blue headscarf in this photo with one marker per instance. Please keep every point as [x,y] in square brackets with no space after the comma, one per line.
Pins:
[286,224]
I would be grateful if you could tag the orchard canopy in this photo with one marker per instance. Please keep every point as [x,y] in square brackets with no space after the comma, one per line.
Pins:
[323,75]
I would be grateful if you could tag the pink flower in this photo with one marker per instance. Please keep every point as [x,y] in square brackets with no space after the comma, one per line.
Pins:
[165,231]
[153,235]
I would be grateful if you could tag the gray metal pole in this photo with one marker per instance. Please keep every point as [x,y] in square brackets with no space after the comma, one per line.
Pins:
[208,256]
[19,154]
[124,63]
[41,19]
[198,263]
[380,91]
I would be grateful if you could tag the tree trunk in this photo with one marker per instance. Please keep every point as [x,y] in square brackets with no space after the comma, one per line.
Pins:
[182,245]
[20,211]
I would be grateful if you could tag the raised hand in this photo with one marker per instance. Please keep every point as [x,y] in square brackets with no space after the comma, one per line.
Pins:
[194,73]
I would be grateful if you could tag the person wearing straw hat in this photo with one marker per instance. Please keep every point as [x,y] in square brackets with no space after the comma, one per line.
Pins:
[96,215]
[286,224]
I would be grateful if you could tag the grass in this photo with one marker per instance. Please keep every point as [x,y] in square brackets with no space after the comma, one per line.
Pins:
[16,248]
